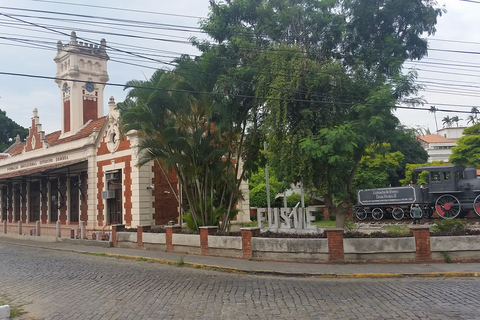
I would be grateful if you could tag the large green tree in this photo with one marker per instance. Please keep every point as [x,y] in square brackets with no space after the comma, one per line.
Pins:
[9,129]
[330,73]
[467,151]
[403,140]
[377,167]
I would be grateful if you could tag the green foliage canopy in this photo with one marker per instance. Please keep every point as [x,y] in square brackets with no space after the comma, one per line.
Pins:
[199,136]
[258,196]
[9,129]
[331,75]
[467,150]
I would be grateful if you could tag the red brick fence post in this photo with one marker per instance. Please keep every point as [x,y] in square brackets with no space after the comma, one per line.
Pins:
[247,234]
[422,243]
[140,230]
[204,233]
[335,245]
[116,228]
[169,231]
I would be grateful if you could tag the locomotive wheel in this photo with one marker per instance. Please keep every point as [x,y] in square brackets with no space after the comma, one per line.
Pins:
[476,205]
[377,213]
[397,213]
[361,214]
[448,206]
[426,214]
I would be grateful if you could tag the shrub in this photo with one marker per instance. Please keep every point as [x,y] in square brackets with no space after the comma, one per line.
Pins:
[401,230]
[446,256]
[258,196]
[376,234]
[349,225]
[449,225]
[251,224]
[270,234]
[295,198]
[319,216]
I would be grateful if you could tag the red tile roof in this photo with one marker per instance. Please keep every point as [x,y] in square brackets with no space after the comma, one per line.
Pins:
[434,138]
[53,138]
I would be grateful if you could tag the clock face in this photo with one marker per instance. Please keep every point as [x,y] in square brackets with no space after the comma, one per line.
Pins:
[65,88]
[89,86]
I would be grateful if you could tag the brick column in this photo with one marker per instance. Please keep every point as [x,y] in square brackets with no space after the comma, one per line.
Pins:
[326,217]
[422,243]
[247,234]
[204,233]
[116,228]
[335,245]
[170,230]
[140,230]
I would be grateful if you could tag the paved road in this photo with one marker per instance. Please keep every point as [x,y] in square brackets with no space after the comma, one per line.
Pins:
[63,285]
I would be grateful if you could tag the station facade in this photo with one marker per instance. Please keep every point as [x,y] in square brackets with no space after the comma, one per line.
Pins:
[86,171]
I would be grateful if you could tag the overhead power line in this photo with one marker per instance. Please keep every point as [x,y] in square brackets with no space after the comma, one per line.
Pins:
[121,9]
[239,95]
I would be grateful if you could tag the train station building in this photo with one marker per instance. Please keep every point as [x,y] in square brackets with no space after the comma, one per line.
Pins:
[86,171]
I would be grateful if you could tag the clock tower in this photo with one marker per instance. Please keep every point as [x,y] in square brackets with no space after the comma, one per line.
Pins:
[81,76]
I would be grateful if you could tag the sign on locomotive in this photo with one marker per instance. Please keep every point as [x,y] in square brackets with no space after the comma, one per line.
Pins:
[452,191]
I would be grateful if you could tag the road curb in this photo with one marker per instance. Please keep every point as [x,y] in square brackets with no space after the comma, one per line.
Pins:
[182,263]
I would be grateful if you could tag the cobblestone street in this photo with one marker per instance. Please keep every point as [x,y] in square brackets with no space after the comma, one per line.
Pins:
[62,285]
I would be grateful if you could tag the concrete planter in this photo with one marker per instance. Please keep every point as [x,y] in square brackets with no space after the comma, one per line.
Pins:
[127,239]
[379,249]
[186,242]
[457,247]
[225,246]
[290,249]
[154,241]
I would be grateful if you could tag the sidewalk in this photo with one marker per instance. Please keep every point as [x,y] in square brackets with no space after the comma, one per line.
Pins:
[289,269]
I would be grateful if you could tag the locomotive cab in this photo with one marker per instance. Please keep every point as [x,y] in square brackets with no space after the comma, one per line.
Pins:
[442,179]
[449,190]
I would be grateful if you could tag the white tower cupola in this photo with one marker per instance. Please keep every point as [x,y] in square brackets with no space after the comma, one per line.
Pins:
[81,76]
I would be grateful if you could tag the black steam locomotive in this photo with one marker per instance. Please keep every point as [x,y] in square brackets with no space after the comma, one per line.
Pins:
[452,191]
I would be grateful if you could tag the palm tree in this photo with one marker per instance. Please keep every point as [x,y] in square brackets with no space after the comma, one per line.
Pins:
[471,119]
[447,121]
[434,111]
[455,119]
[474,113]
[192,133]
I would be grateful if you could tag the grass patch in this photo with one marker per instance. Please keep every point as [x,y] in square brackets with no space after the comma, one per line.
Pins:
[324,223]
[98,254]
[16,310]
[395,229]
[142,259]
[180,262]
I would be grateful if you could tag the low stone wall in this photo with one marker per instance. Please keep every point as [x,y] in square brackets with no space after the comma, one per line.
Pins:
[374,249]
[421,247]
[189,243]
[127,239]
[457,247]
[225,246]
[290,249]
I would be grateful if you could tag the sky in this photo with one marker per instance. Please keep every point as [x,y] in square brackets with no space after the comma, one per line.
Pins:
[30,29]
